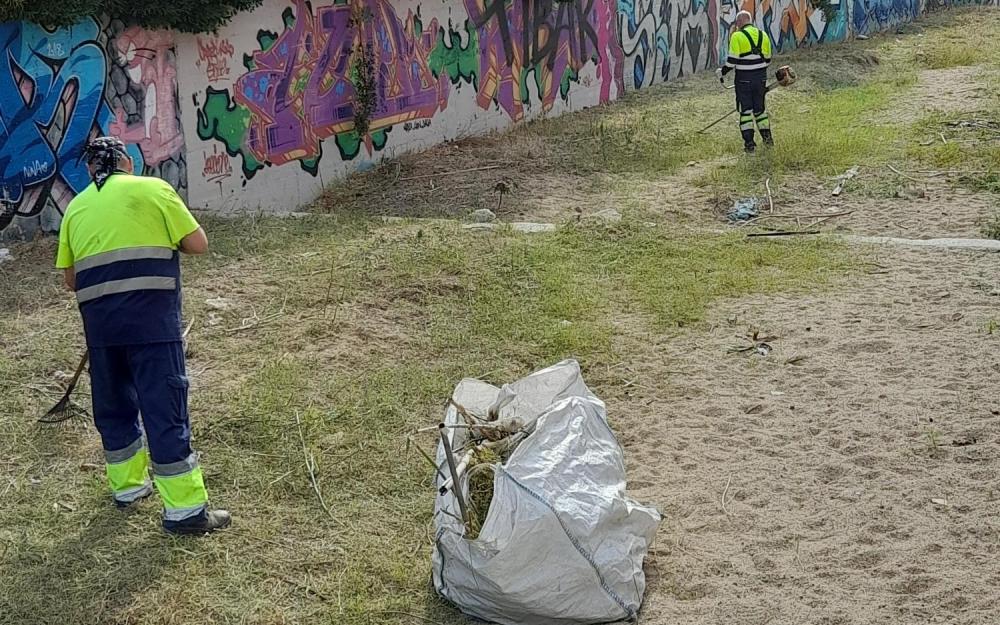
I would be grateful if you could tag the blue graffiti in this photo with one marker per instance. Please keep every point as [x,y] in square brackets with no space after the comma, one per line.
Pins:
[872,16]
[51,103]
[645,38]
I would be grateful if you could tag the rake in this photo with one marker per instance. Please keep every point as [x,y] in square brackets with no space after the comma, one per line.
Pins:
[65,409]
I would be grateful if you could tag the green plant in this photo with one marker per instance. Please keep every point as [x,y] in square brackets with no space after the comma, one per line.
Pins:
[184,15]
[991,229]
[933,440]
[365,94]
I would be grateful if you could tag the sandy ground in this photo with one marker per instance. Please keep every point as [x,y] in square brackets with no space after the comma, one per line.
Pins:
[857,485]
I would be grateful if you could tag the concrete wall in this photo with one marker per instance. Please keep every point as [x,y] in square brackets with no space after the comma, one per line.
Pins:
[261,115]
[269,103]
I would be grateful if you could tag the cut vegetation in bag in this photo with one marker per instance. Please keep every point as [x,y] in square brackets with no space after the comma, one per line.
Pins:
[539,530]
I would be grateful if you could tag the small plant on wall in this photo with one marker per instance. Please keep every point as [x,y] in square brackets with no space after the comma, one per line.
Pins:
[363,75]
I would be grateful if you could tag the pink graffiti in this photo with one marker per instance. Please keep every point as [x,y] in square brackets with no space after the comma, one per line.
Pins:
[214,54]
[612,62]
[301,90]
[145,54]
[549,38]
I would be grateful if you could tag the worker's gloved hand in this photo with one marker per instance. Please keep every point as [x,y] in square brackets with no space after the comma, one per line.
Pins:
[718,73]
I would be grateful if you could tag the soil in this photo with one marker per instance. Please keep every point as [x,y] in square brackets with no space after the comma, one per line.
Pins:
[849,476]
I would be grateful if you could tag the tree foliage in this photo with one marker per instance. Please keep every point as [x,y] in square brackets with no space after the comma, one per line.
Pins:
[192,16]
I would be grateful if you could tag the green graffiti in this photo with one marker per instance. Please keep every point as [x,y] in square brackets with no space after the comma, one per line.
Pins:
[570,75]
[224,120]
[349,143]
[454,60]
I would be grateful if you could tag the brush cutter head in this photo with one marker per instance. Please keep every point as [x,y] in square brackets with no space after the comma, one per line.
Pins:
[785,75]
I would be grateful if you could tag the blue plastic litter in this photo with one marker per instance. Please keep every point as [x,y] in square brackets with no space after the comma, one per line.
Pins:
[744,210]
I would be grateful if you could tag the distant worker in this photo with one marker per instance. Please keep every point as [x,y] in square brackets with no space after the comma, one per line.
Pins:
[749,55]
[118,247]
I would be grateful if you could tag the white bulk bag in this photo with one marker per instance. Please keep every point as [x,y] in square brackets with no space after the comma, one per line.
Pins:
[561,543]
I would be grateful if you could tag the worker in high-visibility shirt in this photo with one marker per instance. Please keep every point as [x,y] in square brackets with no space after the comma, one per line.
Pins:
[749,56]
[118,247]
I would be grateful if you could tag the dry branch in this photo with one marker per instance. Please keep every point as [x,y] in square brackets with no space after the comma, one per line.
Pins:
[311,467]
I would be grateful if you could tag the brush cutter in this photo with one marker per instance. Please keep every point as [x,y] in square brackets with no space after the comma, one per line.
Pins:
[784,77]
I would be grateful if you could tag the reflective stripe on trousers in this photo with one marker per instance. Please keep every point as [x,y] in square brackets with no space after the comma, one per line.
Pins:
[127,471]
[181,487]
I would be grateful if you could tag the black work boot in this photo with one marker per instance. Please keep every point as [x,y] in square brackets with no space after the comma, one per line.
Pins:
[201,523]
[125,505]
[768,139]
[750,148]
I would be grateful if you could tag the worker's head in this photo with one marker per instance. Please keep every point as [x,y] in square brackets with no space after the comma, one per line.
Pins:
[105,156]
[743,18]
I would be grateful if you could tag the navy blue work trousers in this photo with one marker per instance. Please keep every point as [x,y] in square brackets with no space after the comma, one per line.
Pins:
[150,380]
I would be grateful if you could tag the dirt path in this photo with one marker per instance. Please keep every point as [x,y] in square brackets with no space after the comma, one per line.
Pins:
[858,483]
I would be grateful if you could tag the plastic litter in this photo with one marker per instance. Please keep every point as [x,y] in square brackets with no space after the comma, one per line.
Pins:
[744,209]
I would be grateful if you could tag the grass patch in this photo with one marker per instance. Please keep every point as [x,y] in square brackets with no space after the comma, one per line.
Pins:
[991,228]
[359,331]
[826,136]
[971,149]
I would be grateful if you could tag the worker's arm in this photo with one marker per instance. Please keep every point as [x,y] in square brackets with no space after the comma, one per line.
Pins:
[185,232]
[194,243]
[65,258]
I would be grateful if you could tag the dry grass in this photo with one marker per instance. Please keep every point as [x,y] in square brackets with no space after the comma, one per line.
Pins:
[361,329]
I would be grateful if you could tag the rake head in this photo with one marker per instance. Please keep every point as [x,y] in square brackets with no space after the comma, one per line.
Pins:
[65,409]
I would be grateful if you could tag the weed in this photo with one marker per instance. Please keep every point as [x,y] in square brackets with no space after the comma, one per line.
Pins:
[932,439]
[991,228]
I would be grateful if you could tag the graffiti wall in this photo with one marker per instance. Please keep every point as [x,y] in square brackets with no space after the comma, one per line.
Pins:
[315,91]
[299,93]
[872,16]
[59,88]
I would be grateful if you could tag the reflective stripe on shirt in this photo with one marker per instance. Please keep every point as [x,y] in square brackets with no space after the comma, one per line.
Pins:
[128,253]
[152,283]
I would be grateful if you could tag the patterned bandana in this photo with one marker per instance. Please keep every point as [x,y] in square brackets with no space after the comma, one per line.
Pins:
[104,153]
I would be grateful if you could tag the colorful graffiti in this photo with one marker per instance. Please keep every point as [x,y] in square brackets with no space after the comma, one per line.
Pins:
[146,54]
[696,36]
[789,23]
[301,86]
[666,39]
[872,16]
[547,41]
[644,31]
[57,91]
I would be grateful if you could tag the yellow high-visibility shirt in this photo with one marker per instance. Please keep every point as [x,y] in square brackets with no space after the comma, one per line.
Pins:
[128,211]
[749,49]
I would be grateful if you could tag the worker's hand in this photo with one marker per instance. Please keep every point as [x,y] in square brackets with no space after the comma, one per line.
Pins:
[718,73]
